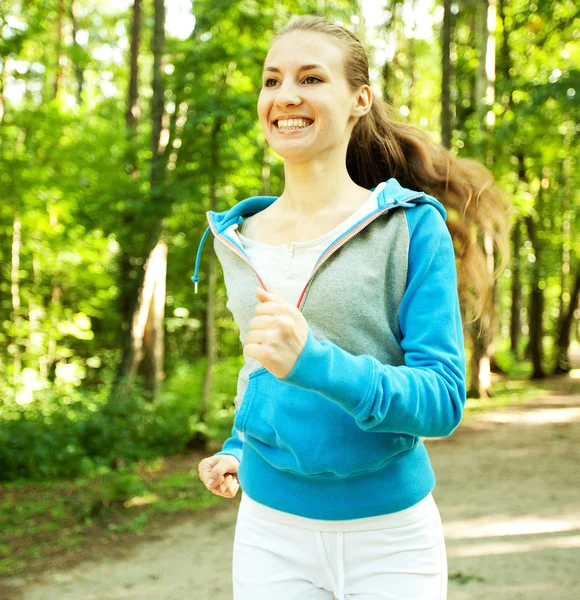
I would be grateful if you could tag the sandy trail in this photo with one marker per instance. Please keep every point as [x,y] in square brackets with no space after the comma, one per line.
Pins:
[508,485]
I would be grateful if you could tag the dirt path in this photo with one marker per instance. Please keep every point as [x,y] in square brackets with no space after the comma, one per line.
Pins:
[508,489]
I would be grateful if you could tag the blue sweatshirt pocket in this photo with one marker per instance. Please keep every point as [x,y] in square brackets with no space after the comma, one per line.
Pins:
[303,432]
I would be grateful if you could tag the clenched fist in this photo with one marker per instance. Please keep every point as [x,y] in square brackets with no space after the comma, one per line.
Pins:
[278,334]
[220,474]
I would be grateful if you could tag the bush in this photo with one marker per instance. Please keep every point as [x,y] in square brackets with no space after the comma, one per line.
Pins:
[74,434]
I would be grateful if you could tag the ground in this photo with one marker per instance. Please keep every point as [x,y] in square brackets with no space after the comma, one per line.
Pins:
[507,490]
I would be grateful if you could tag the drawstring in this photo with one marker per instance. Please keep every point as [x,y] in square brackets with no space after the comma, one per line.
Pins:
[338,587]
[195,277]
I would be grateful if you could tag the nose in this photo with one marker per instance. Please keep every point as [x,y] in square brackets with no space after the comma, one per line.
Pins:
[287,94]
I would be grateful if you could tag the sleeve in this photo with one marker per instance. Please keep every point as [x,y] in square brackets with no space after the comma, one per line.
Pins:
[425,396]
[233,445]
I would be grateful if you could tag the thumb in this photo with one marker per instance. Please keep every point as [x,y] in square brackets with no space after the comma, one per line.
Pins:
[215,470]
[264,296]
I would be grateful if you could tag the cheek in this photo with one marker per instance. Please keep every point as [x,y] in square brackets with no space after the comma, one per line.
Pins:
[263,107]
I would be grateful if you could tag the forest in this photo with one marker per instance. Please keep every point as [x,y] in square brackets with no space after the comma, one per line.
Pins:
[123,123]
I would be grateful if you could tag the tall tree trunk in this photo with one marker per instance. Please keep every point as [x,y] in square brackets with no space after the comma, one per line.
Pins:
[565,176]
[79,68]
[144,302]
[152,342]
[565,330]
[210,335]
[148,333]
[483,332]
[58,45]
[536,309]
[446,127]
[210,329]
[505,65]
[412,58]
[132,112]
[516,289]
[128,293]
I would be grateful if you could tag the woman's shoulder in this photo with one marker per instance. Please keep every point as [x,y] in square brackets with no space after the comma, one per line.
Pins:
[425,217]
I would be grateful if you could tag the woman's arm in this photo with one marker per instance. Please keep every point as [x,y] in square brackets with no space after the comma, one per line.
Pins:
[425,397]
[233,445]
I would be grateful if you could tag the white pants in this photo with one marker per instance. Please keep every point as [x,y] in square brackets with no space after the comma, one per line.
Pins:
[280,556]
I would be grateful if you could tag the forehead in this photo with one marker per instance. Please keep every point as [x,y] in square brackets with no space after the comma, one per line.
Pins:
[298,48]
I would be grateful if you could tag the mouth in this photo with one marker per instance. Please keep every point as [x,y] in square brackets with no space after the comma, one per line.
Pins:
[292,129]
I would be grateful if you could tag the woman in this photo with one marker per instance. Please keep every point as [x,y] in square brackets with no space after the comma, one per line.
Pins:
[353,339]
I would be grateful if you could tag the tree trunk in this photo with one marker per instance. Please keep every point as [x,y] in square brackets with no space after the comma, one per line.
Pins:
[58,45]
[211,351]
[412,58]
[148,331]
[145,300]
[446,128]
[128,293]
[79,69]
[566,192]
[565,330]
[482,332]
[536,310]
[151,337]
[516,289]
[132,112]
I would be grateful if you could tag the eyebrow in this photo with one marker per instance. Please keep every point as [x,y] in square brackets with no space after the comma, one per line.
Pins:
[302,68]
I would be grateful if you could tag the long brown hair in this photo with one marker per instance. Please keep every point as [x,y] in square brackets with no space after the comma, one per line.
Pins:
[381,148]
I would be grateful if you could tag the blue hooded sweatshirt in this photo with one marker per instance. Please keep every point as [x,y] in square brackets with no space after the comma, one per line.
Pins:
[383,367]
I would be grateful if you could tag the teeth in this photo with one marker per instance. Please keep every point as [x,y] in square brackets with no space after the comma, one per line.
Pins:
[292,123]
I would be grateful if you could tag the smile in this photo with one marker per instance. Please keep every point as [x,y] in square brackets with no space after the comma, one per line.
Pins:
[291,125]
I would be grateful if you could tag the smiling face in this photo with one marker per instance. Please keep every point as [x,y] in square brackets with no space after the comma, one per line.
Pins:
[318,93]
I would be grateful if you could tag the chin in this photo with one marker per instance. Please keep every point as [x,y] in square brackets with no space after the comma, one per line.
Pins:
[296,154]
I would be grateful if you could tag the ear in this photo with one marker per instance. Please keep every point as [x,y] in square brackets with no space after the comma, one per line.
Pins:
[363,101]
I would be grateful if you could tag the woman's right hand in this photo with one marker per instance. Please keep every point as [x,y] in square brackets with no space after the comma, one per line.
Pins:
[220,474]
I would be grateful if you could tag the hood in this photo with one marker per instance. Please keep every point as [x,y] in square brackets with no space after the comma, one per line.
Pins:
[391,193]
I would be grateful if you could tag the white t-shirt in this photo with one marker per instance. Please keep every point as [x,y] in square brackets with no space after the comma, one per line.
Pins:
[285,269]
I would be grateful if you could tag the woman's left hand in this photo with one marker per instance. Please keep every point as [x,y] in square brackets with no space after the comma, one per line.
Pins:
[278,334]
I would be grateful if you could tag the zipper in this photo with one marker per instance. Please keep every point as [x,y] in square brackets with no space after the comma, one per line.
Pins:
[327,253]
[341,241]
[235,249]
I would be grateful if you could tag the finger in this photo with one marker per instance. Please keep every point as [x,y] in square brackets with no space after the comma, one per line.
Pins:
[261,322]
[207,463]
[225,484]
[259,336]
[268,308]
[213,479]
[262,293]
[258,351]
[232,489]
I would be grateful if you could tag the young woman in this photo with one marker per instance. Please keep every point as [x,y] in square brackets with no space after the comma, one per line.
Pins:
[353,339]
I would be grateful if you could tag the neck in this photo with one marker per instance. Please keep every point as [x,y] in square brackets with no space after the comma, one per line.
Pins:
[314,187]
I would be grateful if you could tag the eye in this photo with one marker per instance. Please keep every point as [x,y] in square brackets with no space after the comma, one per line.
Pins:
[316,79]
